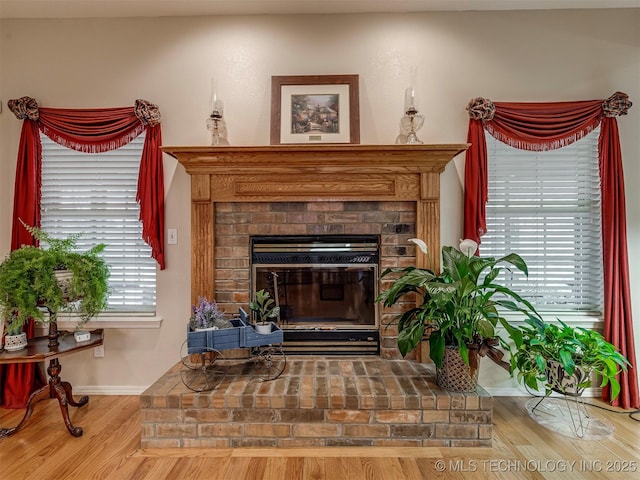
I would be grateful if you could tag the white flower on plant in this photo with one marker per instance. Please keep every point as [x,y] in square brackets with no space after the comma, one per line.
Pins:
[420,244]
[468,247]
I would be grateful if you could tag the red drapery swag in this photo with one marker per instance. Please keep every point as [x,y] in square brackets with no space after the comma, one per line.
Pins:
[547,126]
[91,131]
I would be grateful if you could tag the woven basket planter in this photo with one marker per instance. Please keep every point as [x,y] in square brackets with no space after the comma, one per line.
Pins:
[454,375]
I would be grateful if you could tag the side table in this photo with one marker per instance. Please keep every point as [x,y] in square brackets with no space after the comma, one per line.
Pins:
[40,349]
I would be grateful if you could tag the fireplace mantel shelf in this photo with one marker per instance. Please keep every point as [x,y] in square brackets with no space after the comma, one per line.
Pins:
[308,173]
[315,158]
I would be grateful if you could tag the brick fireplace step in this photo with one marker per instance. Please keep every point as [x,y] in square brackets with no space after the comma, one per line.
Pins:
[317,401]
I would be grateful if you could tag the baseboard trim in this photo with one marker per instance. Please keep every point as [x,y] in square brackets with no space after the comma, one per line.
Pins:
[521,392]
[137,390]
[108,390]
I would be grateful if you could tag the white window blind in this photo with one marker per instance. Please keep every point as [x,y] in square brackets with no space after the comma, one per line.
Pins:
[95,194]
[545,206]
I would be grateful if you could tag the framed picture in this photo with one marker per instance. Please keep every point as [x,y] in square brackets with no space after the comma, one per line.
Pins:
[315,109]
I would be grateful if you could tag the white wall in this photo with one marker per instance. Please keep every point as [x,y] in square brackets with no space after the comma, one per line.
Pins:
[520,56]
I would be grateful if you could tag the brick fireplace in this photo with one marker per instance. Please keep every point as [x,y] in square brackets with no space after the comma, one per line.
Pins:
[388,192]
[392,191]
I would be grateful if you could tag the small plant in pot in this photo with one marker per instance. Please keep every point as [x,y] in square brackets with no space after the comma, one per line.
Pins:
[457,307]
[15,338]
[563,358]
[29,288]
[265,310]
[206,315]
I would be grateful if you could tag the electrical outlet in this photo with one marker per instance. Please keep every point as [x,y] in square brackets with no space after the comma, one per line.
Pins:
[98,352]
[172,234]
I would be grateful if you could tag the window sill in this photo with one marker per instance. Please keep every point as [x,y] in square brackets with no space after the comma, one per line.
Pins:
[69,322]
[574,319]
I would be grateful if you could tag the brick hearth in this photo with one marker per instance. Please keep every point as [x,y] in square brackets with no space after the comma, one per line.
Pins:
[316,402]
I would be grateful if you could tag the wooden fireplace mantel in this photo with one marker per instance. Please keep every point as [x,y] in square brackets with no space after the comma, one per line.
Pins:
[308,173]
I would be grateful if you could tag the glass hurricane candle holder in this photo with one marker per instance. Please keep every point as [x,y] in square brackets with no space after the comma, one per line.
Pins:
[411,122]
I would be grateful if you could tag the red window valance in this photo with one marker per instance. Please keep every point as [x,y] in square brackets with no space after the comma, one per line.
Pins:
[91,131]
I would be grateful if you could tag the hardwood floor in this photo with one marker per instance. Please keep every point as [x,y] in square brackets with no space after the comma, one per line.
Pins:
[110,449]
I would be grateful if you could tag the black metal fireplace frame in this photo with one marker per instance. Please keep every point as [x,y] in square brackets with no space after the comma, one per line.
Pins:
[319,251]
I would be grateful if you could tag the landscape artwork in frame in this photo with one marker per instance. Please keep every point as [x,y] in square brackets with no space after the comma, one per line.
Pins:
[315,109]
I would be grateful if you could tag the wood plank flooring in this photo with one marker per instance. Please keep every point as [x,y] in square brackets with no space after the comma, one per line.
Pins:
[110,449]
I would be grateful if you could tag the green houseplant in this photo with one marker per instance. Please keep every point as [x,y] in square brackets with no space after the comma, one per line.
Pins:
[563,358]
[458,307]
[29,287]
[265,310]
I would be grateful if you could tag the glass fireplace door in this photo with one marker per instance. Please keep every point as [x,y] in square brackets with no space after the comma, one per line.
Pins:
[327,282]
[321,295]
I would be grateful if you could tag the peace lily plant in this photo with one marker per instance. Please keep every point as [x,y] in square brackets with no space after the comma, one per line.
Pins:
[458,306]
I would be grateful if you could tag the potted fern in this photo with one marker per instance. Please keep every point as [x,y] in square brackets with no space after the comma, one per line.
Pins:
[29,287]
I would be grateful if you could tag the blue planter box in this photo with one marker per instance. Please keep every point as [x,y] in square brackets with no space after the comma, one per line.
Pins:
[255,339]
[241,335]
[222,339]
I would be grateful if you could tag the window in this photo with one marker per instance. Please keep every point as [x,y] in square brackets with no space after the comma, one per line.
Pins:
[545,206]
[95,194]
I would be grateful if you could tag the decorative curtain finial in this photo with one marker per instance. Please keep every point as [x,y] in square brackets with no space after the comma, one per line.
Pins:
[25,107]
[147,113]
[481,109]
[616,105]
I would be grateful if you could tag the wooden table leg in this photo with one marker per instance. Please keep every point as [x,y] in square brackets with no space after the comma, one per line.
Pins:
[40,394]
[62,391]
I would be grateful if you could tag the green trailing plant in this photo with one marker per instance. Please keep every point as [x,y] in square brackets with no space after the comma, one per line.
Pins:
[572,347]
[458,306]
[28,285]
[264,307]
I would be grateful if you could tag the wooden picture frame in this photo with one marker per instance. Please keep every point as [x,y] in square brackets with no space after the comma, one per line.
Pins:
[315,109]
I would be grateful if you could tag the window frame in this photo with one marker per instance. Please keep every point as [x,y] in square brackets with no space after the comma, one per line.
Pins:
[587,317]
[144,316]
